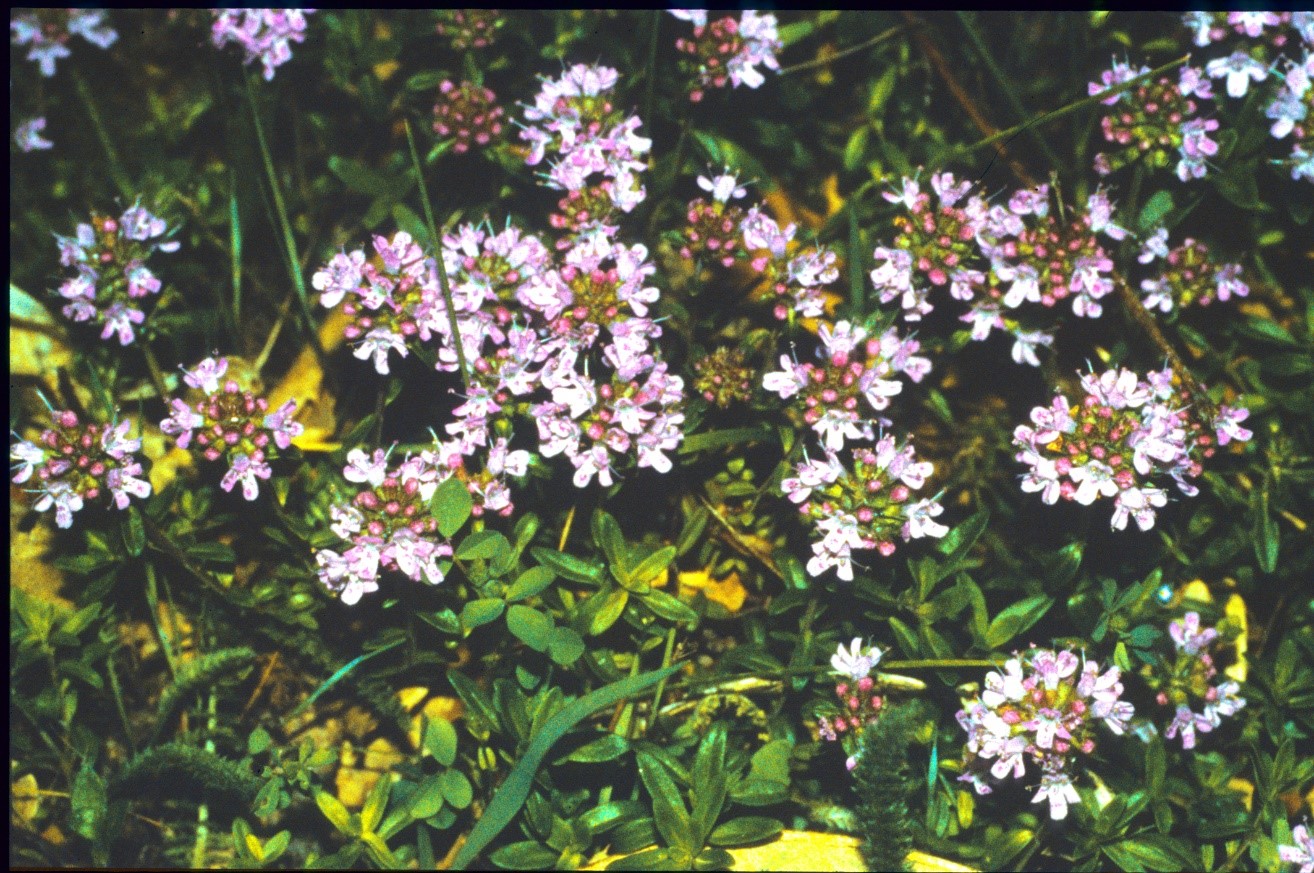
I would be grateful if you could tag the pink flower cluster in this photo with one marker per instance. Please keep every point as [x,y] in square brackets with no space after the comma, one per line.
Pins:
[559,335]
[468,113]
[574,118]
[856,373]
[713,226]
[1156,121]
[387,523]
[112,280]
[727,52]
[1190,276]
[1041,710]
[469,28]
[75,462]
[863,508]
[47,32]
[1190,679]
[859,705]
[1123,433]
[1262,44]
[266,34]
[231,424]
[796,281]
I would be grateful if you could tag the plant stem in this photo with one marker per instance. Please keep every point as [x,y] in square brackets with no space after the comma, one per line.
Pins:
[280,209]
[443,283]
[117,172]
[842,53]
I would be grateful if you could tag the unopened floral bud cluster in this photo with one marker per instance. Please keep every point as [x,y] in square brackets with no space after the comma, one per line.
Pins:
[469,28]
[1039,717]
[72,463]
[468,113]
[1190,276]
[1189,681]
[859,702]
[112,282]
[1123,435]
[231,424]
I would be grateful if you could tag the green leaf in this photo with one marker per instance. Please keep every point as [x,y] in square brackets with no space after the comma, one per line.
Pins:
[529,583]
[650,568]
[456,788]
[649,859]
[530,626]
[341,674]
[483,544]
[607,536]
[1151,852]
[610,606]
[512,792]
[134,532]
[451,505]
[440,741]
[89,803]
[746,831]
[525,855]
[336,813]
[429,80]
[1267,330]
[1155,210]
[277,844]
[427,799]
[479,612]
[709,783]
[716,439]
[1016,618]
[1265,535]
[565,646]
[668,607]
[668,809]
[568,566]
[375,804]
[960,540]
[607,747]
[258,741]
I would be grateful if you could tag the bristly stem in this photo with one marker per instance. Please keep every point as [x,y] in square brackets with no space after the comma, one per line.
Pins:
[280,208]
[443,283]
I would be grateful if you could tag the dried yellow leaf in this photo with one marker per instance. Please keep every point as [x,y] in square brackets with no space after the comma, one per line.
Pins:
[729,592]
[24,799]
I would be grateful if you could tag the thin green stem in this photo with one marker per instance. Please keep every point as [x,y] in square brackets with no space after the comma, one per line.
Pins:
[235,257]
[842,53]
[117,690]
[1005,84]
[117,173]
[280,208]
[444,283]
[1052,115]
[651,70]
[661,686]
[157,375]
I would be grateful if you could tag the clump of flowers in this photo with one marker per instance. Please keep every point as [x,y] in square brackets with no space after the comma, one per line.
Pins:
[468,113]
[1189,681]
[387,523]
[574,117]
[1292,112]
[935,246]
[856,373]
[866,507]
[713,227]
[112,281]
[1156,121]
[726,52]
[723,377]
[266,34]
[859,704]
[1302,852]
[1041,710]
[469,28]
[48,31]
[1050,255]
[231,424]
[1121,435]
[75,462]
[1190,277]
[28,138]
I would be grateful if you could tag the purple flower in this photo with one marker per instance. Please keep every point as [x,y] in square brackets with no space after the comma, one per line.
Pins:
[248,471]
[1189,637]
[1240,69]
[281,425]
[1302,852]
[27,136]
[262,33]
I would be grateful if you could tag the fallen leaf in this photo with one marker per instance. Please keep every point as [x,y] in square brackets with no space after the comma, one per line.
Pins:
[729,592]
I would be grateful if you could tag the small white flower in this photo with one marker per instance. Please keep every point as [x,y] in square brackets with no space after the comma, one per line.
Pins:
[853,661]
